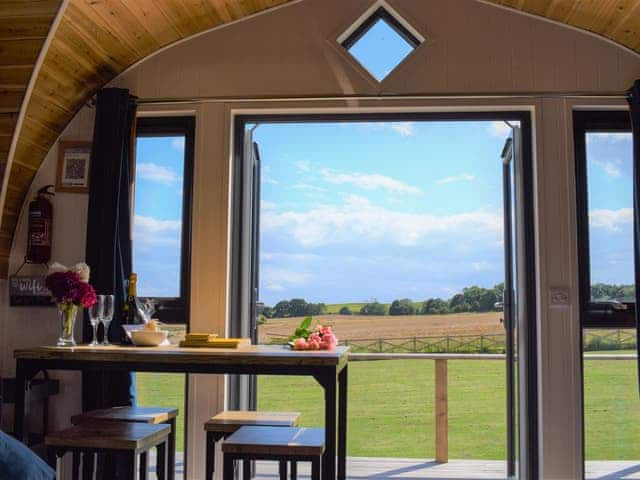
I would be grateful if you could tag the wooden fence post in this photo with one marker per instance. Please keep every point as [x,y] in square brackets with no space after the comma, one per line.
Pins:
[442,412]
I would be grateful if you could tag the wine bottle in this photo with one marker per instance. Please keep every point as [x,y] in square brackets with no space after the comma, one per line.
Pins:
[130,307]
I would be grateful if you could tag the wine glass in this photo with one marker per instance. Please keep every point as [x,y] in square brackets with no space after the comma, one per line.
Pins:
[107,316]
[95,315]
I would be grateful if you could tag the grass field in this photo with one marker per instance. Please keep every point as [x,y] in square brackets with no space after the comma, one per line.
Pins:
[384,326]
[391,407]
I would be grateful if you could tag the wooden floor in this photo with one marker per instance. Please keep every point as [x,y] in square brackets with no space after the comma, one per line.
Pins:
[360,468]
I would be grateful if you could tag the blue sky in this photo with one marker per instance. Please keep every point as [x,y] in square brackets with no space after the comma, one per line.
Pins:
[158,215]
[610,198]
[357,211]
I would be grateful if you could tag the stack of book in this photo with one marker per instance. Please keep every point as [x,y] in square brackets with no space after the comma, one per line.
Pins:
[211,340]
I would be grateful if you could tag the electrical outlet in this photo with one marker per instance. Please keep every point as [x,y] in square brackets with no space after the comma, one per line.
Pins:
[558,297]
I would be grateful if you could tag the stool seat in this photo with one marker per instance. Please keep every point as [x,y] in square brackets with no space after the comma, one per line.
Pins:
[231,420]
[110,436]
[283,441]
[153,415]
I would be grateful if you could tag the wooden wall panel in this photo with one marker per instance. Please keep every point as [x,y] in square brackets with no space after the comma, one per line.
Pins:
[97,40]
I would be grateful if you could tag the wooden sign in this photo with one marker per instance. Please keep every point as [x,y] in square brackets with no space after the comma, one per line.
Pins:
[29,291]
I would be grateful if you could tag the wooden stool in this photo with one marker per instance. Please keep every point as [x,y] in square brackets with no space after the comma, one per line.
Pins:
[282,444]
[226,423]
[150,415]
[132,440]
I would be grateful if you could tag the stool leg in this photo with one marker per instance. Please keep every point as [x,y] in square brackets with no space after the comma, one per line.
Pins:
[87,465]
[143,466]
[131,465]
[283,470]
[294,470]
[227,467]
[315,468]
[75,474]
[210,457]
[246,469]
[52,457]
[171,450]
[161,462]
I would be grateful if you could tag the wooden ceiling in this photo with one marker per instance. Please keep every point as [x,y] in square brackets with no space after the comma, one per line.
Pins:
[23,29]
[98,39]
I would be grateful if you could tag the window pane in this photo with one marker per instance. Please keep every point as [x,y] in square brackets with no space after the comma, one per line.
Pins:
[610,204]
[381,49]
[157,232]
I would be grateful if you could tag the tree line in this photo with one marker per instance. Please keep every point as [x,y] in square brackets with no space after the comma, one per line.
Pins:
[472,299]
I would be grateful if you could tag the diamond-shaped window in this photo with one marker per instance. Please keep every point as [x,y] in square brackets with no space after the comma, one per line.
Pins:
[381,42]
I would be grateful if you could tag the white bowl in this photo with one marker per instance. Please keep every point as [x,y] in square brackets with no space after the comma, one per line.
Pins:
[148,338]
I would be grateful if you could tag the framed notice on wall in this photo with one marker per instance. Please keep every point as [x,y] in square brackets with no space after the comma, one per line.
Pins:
[29,291]
[74,160]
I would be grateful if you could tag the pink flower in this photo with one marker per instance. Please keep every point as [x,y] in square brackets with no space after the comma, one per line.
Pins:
[67,287]
[330,338]
[300,344]
[86,295]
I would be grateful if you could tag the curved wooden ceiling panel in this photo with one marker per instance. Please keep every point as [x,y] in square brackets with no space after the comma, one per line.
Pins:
[97,39]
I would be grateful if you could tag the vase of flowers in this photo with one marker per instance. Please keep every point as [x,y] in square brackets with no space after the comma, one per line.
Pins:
[70,290]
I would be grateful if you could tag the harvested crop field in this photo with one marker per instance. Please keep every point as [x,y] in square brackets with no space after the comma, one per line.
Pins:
[362,327]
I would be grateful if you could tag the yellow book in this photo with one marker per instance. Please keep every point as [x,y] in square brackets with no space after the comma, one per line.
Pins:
[216,343]
[200,336]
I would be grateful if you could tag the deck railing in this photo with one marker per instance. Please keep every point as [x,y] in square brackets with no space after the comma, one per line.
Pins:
[441,389]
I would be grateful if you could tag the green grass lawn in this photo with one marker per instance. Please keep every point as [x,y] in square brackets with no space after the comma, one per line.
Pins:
[391,407]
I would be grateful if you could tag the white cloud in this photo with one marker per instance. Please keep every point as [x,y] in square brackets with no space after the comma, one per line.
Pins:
[265,176]
[608,137]
[611,220]
[279,279]
[405,129]
[358,221]
[482,266]
[499,129]
[152,231]
[463,177]
[303,165]
[178,143]
[266,205]
[157,173]
[369,181]
[611,167]
[309,187]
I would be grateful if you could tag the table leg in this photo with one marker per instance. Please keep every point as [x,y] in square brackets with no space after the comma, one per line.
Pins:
[171,451]
[342,423]
[23,375]
[329,383]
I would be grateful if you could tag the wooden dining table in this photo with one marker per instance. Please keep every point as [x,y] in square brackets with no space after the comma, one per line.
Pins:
[328,368]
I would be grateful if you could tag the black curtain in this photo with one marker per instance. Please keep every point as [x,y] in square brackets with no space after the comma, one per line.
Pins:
[108,251]
[634,104]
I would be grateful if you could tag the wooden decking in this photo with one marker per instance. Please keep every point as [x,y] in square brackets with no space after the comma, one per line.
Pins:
[361,468]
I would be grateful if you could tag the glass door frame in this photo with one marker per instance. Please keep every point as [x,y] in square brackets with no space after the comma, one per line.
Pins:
[529,403]
[592,314]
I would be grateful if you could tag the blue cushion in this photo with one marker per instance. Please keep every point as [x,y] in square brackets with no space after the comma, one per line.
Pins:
[18,462]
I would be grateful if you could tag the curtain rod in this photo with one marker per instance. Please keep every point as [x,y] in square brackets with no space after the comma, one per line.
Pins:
[465,96]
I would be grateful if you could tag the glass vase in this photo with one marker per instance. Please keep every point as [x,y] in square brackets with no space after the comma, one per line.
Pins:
[67,316]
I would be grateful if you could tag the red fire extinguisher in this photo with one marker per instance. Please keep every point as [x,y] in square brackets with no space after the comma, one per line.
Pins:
[40,227]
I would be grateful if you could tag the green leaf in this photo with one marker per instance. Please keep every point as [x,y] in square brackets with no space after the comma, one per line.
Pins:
[306,323]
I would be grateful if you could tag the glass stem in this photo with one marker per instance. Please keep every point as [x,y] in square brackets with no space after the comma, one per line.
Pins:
[95,333]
